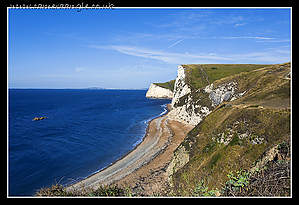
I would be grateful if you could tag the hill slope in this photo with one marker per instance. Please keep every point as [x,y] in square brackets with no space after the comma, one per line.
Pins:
[205,74]
[246,115]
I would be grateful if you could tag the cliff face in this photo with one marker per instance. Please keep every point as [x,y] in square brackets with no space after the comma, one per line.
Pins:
[181,87]
[192,106]
[156,91]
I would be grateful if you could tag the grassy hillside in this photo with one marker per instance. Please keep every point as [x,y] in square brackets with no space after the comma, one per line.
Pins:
[217,147]
[202,75]
[237,133]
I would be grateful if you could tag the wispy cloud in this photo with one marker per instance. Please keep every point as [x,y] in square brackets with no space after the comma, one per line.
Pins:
[235,37]
[171,58]
[284,51]
[227,20]
[273,40]
[181,58]
[239,24]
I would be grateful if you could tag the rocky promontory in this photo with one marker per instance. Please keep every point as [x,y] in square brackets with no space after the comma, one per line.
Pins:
[156,91]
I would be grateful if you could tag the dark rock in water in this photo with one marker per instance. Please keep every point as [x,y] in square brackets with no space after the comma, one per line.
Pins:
[38,118]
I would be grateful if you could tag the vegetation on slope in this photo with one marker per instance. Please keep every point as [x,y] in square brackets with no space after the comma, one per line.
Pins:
[228,139]
[59,190]
[202,75]
[169,85]
[237,133]
[272,180]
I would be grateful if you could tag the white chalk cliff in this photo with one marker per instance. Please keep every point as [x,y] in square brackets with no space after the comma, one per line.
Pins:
[181,88]
[156,91]
[191,107]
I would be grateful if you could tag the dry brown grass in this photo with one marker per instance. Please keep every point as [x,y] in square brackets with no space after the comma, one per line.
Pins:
[273,181]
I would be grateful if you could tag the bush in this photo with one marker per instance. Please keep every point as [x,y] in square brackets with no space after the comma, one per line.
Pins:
[273,181]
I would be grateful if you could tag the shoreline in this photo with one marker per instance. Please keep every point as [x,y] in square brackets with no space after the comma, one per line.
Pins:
[96,178]
[152,177]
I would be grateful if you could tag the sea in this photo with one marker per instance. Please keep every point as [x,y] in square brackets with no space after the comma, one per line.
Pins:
[84,131]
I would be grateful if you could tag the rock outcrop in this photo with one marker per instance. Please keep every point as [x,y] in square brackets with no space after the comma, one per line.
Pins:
[156,91]
[180,158]
[224,92]
[38,118]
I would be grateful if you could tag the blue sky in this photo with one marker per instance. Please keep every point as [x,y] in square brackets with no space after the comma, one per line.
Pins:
[131,48]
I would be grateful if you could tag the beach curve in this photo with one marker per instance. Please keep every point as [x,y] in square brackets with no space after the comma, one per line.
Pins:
[131,161]
[158,137]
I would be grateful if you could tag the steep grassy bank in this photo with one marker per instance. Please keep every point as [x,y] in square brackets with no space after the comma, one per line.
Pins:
[235,134]
[229,139]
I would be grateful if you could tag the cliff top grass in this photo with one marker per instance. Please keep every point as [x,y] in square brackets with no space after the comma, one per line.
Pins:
[200,75]
[169,85]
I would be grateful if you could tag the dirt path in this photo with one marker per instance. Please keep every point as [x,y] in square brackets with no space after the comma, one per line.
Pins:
[207,77]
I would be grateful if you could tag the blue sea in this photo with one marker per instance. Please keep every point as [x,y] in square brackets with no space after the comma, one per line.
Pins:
[84,131]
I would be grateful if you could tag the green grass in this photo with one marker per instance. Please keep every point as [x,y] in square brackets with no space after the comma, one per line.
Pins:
[197,78]
[224,70]
[213,161]
[169,85]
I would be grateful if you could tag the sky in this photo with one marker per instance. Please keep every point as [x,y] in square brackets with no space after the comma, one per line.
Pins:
[131,48]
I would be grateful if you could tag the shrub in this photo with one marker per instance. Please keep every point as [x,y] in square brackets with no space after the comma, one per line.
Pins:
[273,181]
